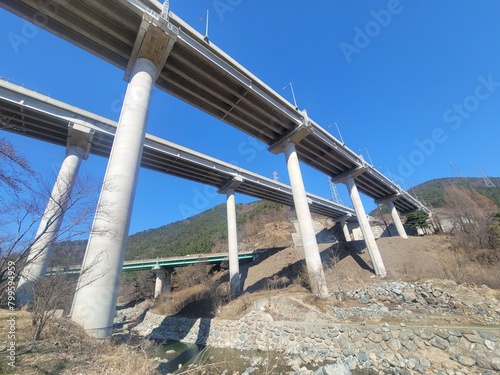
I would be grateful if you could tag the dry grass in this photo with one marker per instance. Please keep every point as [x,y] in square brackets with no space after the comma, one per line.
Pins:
[446,262]
[209,297]
[65,348]
[463,267]
[174,302]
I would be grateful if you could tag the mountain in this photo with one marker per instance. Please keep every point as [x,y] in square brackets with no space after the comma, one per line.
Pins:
[260,223]
[431,193]
[202,233]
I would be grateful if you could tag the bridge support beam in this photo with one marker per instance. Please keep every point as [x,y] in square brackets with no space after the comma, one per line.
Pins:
[311,250]
[163,282]
[79,141]
[371,244]
[94,305]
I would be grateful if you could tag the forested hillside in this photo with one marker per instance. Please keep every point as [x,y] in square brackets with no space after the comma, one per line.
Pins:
[432,192]
[198,234]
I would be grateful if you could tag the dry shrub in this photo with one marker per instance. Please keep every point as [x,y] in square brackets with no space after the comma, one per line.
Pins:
[195,274]
[254,225]
[302,278]
[126,359]
[50,294]
[65,348]
[175,301]
[222,295]
[276,282]
[195,284]
[235,308]
[457,265]
[472,214]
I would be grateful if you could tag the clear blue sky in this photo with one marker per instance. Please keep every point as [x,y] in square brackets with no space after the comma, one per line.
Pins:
[416,83]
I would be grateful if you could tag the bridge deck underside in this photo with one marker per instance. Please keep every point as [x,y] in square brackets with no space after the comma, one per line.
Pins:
[202,75]
[158,155]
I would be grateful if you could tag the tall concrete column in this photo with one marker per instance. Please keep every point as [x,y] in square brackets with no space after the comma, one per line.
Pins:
[232,240]
[48,230]
[94,303]
[371,244]
[311,250]
[396,219]
[163,282]
[232,233]
[345,230]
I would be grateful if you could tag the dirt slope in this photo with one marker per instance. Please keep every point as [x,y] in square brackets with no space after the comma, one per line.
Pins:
[348,266]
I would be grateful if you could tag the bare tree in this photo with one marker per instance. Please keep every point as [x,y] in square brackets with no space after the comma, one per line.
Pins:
[54,294]
[15,172]
[24,196]
[472,215]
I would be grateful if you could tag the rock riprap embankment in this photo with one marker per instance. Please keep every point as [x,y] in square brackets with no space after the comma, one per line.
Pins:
[388,332]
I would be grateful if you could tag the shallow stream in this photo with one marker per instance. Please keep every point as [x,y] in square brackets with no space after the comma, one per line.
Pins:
[178,356]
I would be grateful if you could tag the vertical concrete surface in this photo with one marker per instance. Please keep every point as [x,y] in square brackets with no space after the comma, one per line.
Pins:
[50,224]
[232,240]
[396,219]
[311,251]
[163,282]
[371,244]
[94,304]
[345,230]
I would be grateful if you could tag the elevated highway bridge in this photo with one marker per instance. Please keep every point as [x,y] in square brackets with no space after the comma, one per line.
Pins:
[163,267]
[31,114]
[169,262]
[206,77]
[154,47]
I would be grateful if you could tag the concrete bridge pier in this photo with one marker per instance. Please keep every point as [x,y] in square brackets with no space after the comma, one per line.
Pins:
[94,304]
[232,234]
[78,145]
[371,244]
[389,202]
[163,282]
[345,227]
[311,251]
